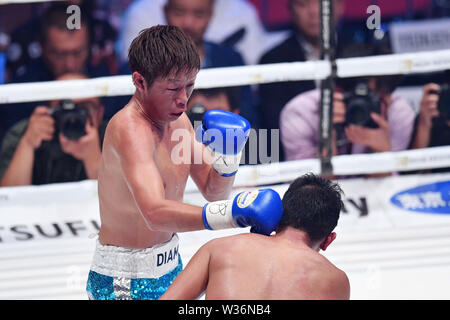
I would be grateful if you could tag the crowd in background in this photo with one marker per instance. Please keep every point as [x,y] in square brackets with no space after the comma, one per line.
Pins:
[36,45]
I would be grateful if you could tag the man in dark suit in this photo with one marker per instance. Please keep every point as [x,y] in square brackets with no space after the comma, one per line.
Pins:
[302,45]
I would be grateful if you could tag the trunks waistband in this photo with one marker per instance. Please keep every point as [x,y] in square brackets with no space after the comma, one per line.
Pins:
[133,263]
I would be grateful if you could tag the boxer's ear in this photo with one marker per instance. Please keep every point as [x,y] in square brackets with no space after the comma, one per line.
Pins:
[327,241]
[139,81]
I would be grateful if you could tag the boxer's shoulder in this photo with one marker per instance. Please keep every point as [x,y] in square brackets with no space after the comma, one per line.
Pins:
[127,129]
[243,242]
[126,119]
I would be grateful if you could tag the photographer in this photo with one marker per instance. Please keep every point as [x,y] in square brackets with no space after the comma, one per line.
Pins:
[63,51]
[432,126]
[57,144]
[388,118]
[433,122]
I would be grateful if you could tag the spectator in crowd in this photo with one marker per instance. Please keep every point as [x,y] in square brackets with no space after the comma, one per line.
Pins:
[386,129]
[37,150]
[234,22]
[63,51]
[26,46]
[433,123]
[227,99]
[432,126]
[193,17]
[301,45]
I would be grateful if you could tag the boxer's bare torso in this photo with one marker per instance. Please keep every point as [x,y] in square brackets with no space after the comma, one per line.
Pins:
[260,267]
[252,266]
[143,170]
[122,223]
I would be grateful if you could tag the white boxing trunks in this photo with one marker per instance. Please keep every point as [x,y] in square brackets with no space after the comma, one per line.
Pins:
[119,273]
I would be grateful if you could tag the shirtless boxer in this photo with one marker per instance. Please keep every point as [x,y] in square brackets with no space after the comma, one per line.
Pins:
[285,266]
[141,180]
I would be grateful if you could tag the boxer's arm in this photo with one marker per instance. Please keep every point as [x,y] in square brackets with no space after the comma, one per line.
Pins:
[192,281]
[212,185]
[135,148]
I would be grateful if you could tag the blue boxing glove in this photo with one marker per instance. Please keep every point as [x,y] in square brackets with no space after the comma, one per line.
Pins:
[259,209]
[225,133]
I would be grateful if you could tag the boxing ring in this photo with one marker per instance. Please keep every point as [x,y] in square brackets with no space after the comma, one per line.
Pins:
[393,237]
[48,234]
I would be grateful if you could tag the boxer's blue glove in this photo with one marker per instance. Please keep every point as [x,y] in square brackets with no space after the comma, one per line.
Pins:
[260,209]
[225,133]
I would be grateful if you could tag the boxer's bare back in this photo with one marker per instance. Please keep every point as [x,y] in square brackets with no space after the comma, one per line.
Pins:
[259,267]
[252,266]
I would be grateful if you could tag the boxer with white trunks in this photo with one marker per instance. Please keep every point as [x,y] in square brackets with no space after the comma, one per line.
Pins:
[143,173]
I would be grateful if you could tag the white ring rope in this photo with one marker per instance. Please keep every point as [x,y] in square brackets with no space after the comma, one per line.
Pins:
[235,76]
[122,85]
[355,164]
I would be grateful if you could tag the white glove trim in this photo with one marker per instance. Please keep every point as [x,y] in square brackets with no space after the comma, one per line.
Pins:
[226,164]
[219,215]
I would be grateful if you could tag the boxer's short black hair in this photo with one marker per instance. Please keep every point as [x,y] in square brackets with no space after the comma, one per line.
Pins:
[312,204]
[161,50]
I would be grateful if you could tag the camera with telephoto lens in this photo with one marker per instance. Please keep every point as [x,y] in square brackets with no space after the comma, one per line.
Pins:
[195,113]
[70,120]
[359,104]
